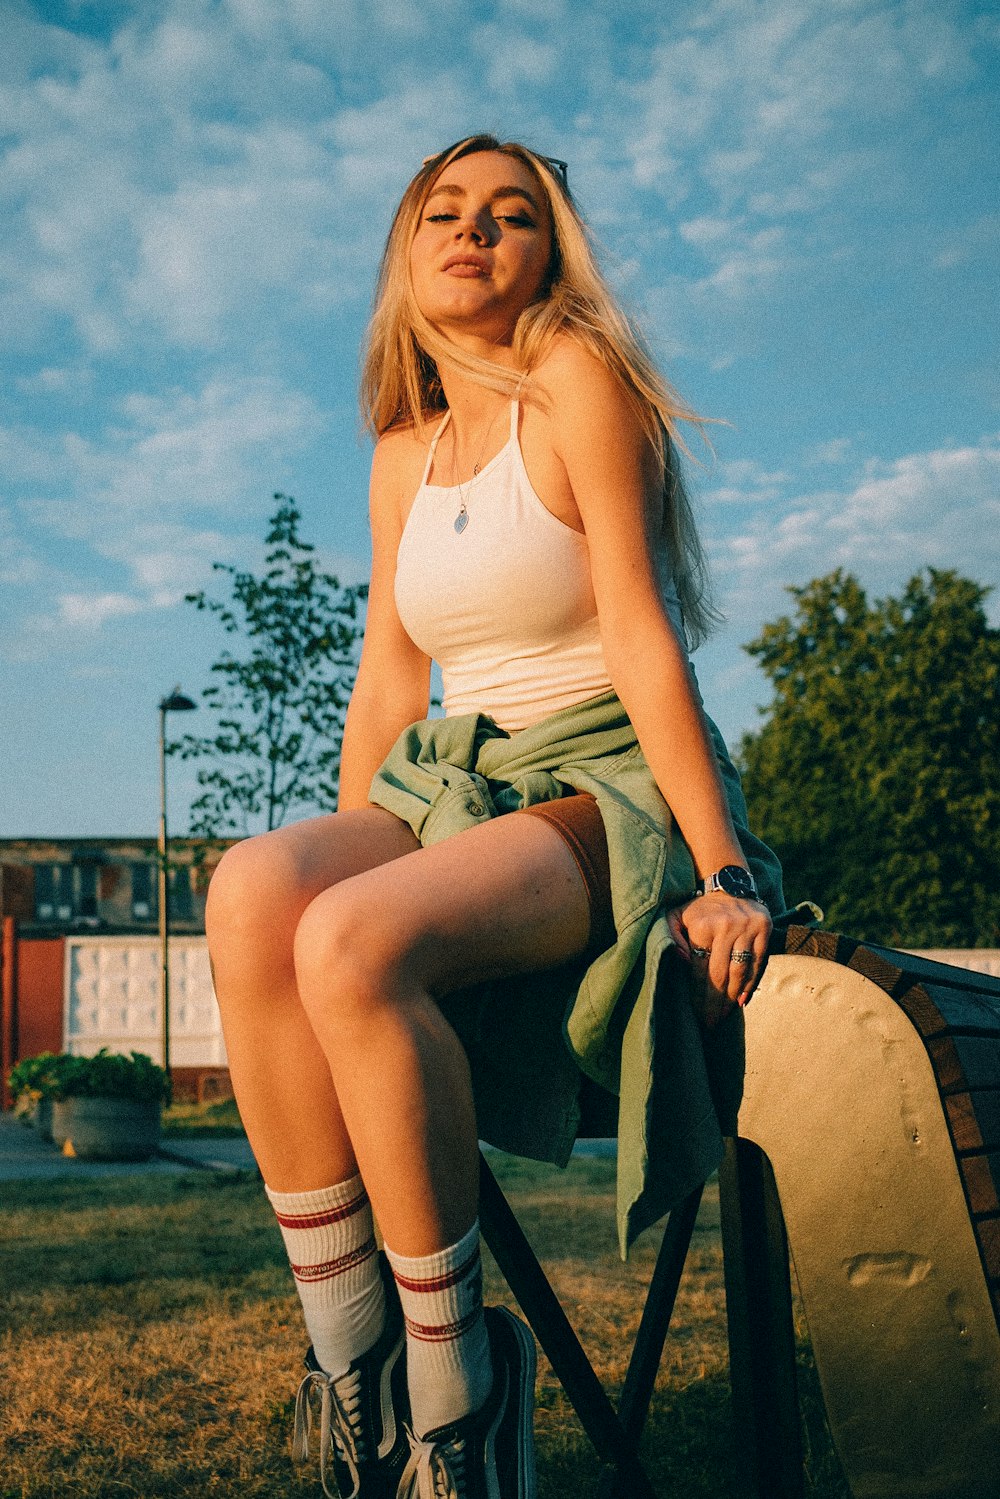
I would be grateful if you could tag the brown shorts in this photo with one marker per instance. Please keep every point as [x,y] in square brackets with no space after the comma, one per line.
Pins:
[577,819]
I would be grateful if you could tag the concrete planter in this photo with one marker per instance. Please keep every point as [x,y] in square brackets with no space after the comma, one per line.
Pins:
[58,1116]
[107,1129]
[41,1117]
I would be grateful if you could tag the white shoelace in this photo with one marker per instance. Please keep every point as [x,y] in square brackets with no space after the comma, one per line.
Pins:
[434,1470]
[339,1422]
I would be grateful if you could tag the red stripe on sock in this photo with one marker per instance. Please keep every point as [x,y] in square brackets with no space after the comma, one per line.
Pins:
[439,1282]
[329,1269]
[444,1334]
[329,1215]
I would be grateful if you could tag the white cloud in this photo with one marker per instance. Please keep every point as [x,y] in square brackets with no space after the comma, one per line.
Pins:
[169,559]
[215,179]
[136,501]
[939,509]
[554,11]
[195,449]
[835,450]
[83,611]
[62,380]
[706,231]
[217,171]
[21,564]
[745,482]
[759,260]
[192,177]
[29,457]
[963,243]
[765,112]
[514,61]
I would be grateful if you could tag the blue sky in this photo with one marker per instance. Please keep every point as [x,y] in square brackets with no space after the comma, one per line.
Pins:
[799,200]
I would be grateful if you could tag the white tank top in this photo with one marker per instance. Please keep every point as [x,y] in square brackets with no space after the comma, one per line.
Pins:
[506,606]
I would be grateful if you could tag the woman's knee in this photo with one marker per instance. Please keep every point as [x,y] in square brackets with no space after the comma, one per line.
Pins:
[350,960]
[247,883]
[269,880]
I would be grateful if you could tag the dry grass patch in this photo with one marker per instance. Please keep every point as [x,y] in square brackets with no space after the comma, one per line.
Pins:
[202,1119]
[152,1342]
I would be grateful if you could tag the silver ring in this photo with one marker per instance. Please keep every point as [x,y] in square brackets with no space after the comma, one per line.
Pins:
[743,957]
[700,952]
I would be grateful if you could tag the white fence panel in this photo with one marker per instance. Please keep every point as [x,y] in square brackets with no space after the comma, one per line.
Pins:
[979,959]
[112,999]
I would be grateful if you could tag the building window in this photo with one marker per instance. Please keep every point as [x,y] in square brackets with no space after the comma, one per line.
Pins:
[87,900]
[45,891]
[181,902]
[143,892]
[54,892]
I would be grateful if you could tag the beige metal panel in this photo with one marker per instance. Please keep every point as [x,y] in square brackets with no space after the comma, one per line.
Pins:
[841,1096]
[112,997]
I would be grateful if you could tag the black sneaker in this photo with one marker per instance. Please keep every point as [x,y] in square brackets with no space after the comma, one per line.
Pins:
[489,1454]
[362,1435]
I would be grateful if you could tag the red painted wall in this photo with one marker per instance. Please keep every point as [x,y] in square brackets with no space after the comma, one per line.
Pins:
[31,1015]
[39,995]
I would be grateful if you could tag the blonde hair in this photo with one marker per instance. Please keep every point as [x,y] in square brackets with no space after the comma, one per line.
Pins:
[400,382]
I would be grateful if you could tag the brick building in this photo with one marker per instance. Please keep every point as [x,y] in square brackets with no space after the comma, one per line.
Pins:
[75,885]
[80,964]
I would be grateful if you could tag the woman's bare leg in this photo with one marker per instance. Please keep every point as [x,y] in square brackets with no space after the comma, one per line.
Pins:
[280,1075]
[329,941]
[343,1063]
[371,954]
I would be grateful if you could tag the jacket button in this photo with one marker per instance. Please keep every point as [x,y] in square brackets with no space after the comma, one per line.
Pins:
[476,808]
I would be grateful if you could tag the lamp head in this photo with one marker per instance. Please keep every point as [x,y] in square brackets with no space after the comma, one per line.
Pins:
[177,702]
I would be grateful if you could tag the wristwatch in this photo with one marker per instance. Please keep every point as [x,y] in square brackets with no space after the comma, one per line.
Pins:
[732,879]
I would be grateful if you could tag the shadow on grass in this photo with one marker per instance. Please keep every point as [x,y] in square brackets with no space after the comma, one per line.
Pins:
[163,1311]
[687,1446]
[134,1245]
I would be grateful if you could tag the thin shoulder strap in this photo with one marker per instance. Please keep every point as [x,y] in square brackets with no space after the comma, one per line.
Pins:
[515,407]
[433,447]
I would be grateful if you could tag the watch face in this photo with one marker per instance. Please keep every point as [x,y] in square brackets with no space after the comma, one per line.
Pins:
[737,881]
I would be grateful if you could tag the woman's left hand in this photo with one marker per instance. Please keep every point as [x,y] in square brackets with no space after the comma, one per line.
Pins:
[725,940]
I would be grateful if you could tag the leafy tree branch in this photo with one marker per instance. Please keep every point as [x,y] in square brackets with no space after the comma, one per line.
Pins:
[279,703]
[876,772]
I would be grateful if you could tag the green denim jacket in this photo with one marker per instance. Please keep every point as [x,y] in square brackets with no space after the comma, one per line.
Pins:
[625,1019]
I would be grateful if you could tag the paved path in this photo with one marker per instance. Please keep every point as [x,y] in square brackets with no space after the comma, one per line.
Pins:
[25,1156]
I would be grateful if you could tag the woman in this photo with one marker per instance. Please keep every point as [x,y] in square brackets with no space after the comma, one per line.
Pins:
[530,532]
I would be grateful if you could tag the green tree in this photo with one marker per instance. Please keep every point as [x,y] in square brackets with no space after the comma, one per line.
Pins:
[280,706]
[876,772]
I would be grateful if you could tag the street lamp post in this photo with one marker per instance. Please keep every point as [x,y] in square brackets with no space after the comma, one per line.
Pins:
[175,703]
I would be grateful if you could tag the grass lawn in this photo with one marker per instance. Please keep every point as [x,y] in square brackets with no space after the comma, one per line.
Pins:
[151,1341]
[195,1120]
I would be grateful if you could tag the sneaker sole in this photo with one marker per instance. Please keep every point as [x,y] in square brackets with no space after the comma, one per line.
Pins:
[387,1407]
[526,1401]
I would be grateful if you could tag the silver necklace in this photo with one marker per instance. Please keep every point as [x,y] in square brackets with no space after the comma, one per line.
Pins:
[462,518]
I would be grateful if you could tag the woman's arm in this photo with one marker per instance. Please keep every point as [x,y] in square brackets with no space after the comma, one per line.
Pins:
[393,683]
[613,475]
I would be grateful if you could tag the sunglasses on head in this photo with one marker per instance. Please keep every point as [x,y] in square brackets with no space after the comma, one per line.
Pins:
[560,168]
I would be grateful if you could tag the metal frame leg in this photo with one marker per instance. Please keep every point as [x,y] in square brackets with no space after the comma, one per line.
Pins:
[761,1330]
[637,1392]
[615,1435]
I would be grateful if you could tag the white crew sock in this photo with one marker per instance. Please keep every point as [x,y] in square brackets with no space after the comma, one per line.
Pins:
[330,1239]
[449,1368]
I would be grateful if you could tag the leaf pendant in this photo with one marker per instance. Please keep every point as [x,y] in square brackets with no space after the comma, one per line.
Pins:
[461,521]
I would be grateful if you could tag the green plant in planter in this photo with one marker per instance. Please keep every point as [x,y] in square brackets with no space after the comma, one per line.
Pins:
[38,1077]
[35,1083]
[109,1074]
[107,1107]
